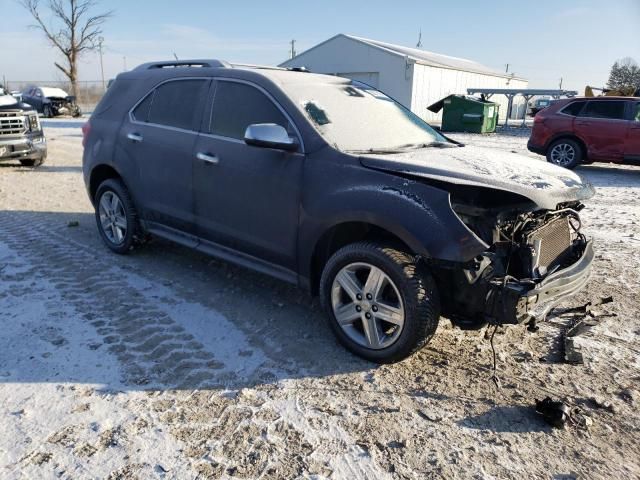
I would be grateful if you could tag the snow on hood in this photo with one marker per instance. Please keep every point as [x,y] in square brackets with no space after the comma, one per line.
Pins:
[6,100]
[54,92]
[541,182]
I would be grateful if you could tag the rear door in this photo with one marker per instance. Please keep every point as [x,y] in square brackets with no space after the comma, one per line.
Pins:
[602,125]
[159,136]
[246,197]
[632,146]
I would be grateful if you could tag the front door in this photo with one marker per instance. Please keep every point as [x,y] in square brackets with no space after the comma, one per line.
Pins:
[602,125]
[247,198]
[160,136]
[632,146]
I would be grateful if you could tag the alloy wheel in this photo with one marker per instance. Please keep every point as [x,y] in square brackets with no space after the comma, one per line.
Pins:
[563,154]
[367,305]
[113,218]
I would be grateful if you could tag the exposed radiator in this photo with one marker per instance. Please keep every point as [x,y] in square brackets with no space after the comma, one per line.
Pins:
[551,242]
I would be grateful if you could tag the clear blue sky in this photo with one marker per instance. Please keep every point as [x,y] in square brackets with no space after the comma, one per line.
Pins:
[542,40]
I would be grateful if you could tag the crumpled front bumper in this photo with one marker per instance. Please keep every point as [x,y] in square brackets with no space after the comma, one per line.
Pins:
[521,301]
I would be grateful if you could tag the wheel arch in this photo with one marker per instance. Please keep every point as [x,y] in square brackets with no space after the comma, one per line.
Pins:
[99,174]
[569,136]
[345,233]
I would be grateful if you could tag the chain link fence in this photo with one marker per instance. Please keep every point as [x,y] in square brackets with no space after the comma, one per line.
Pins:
[89,92]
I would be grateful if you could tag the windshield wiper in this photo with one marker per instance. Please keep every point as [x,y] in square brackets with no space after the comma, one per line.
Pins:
[436,144]
[377,151]
[404,148]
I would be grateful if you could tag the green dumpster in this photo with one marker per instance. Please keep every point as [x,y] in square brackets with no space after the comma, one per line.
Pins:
[462,113]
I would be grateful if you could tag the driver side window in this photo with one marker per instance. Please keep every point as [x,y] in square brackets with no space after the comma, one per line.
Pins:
[238,105]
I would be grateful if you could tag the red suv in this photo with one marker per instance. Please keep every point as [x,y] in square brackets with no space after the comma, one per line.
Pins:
[585,130]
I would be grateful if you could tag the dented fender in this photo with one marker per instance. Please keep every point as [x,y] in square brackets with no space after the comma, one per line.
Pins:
[419,214]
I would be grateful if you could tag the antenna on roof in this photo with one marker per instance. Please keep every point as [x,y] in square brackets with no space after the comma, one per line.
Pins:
[419,44]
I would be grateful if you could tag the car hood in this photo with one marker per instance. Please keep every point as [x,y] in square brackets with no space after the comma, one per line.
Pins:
[543,183]
[7,100]
[9,103]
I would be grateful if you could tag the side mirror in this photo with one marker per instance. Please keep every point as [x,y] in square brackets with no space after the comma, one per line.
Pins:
[269,135]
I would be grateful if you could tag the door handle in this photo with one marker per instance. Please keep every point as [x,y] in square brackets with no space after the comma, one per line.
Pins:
[205,157]
[134,137]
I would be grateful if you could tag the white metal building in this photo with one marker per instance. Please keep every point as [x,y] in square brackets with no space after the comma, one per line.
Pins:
[416,78]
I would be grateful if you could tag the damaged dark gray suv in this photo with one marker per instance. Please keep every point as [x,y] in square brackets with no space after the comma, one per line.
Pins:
[332,185]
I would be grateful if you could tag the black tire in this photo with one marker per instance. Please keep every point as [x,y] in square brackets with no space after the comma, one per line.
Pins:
[572,153]
[47,112]
[133,234]
[415,285]
[32,162]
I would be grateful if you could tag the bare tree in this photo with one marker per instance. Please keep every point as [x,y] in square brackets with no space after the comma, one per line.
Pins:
[73,30]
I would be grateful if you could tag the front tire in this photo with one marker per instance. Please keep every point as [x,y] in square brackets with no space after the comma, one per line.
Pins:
[47,111]
[116,216]
[382,304]
[32,162]
[565,152]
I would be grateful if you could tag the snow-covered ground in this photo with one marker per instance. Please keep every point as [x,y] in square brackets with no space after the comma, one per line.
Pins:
[168,364]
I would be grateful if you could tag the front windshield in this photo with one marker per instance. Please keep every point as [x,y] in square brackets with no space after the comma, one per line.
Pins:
[357,118]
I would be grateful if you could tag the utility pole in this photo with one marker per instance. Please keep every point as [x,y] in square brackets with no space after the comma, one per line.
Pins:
[506,70]
[560,83]
[100,42]
[419,44]
[292,53]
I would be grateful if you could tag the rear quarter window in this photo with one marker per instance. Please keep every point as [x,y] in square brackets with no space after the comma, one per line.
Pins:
[573,108]
[141,112]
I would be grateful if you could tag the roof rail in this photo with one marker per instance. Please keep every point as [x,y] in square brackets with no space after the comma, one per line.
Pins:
[184,63]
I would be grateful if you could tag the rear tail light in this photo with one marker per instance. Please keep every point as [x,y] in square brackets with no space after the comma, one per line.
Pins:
[86,129]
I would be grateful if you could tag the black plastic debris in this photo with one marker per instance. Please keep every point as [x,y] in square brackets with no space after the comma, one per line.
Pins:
[556,414]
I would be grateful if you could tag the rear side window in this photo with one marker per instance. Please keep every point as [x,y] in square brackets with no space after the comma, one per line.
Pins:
[573,109]
[237,105]
[175,104]
[604,109]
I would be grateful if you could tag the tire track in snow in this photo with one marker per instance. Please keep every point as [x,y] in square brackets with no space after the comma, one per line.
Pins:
[253,432]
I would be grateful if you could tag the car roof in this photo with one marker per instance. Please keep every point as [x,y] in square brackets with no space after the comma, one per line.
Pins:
[164,70]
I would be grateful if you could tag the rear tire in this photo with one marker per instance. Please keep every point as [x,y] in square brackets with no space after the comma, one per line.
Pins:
[391,285]
[565,152]
[116,216]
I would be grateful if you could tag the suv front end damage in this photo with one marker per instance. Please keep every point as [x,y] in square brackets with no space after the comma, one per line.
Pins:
[64,106]
[535,259]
